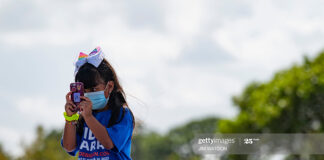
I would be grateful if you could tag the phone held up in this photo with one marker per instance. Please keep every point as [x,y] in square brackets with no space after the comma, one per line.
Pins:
[77,89]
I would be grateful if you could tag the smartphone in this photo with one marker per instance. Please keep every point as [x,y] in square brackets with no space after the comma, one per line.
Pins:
[77,89]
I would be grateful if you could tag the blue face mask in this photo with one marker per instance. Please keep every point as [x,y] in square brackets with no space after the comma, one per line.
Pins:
[98,99]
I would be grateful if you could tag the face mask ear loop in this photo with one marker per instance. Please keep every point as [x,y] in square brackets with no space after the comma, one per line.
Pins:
[108,91]
[106,86]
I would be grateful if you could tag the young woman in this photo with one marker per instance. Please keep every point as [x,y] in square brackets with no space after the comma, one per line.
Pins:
[105,125]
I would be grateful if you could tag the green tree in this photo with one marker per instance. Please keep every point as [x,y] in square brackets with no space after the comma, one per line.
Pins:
[174,145]
[46,146]
[291,102]
[3,154]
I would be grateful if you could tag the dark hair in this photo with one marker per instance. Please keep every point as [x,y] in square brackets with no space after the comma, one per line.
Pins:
[91,76]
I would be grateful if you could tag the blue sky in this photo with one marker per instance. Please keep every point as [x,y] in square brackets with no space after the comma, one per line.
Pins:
[177,60]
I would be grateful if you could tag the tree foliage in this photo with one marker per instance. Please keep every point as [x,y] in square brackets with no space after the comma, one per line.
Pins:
[291,102]
[46,146]
[174,145]
[3,154]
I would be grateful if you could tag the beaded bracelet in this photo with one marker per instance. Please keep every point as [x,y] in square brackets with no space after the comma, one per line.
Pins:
[71,122]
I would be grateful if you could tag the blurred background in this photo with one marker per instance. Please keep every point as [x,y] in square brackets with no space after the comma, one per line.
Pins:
[187,66]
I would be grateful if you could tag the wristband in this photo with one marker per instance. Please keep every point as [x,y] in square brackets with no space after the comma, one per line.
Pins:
[74,117]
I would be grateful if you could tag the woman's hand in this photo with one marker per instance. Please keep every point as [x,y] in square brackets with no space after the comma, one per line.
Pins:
[85,107]
[70,107]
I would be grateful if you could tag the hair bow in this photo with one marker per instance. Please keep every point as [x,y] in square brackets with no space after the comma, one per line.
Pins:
[94,58]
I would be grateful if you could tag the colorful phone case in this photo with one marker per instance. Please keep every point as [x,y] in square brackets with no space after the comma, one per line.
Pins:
[77,89]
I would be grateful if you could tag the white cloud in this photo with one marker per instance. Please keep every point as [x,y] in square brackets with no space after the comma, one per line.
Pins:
[185,19]
[142,45]
[43,38]
[41,110]
[266,38]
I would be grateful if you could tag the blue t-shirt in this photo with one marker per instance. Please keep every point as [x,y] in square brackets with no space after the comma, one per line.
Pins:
[90,148]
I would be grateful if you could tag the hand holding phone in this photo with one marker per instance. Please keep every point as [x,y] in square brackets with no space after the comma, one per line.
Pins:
[69,105]
[77,89]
